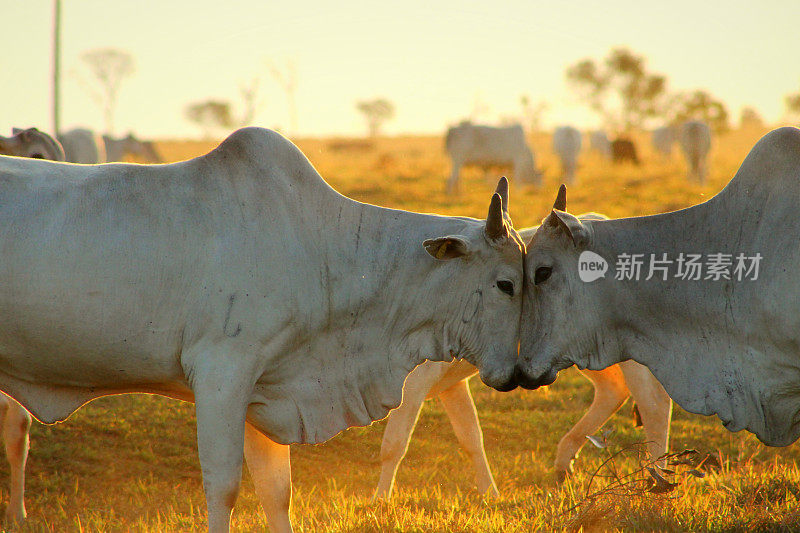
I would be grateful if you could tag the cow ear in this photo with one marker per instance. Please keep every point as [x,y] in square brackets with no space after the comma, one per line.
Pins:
[449,247]
[572,227]
[24,134]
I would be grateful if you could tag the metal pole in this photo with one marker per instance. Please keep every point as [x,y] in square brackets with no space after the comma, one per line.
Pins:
[56,66]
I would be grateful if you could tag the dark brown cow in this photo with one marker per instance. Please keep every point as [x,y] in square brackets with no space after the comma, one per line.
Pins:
[622,150]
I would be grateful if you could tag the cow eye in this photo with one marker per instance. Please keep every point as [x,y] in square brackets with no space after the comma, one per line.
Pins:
[506,286]
[542,274]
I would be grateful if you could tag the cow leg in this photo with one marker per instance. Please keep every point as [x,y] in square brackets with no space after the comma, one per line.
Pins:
[221,395]
[452,183]
[655,406]
[271,471]
[702,170]
[16,424]
[400,425]
[610,393]
[570,173]
[460,408]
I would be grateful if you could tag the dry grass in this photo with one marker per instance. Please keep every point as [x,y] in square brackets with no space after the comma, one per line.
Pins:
[130,464]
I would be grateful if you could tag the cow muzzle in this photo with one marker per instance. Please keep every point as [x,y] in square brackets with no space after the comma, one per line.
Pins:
[526,381]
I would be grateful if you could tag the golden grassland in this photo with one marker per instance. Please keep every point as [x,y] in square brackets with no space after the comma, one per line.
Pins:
[129,463]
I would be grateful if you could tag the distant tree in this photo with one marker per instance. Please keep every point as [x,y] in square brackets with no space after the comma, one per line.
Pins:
[376,112]
[620,89]
[793,104]
[533,113]
[750,118]
[250,102]
[108,67]
[700,105]
[211,115]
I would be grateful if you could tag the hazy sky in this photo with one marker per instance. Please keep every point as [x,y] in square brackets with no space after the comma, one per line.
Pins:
[433,59]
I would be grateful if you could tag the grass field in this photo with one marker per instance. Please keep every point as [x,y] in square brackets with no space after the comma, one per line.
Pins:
[129,463]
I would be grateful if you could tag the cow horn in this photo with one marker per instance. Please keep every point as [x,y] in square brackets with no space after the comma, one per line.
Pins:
[495,224]
[561,198]
[502,190]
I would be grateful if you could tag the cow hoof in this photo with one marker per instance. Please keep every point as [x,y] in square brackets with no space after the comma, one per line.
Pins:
[380,497]
[491,493]
[14,521]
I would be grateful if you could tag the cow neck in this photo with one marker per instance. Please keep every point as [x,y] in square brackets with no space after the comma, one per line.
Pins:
[637,310]
[381,311]
[378,268]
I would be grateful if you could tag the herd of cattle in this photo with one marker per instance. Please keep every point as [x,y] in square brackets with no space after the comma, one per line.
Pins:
[287,312]
[486,146]
[77,146]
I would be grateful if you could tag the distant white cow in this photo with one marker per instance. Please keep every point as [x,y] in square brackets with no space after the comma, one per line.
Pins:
[598,141]
[83,146]
[567,146]
[449,382]
[696,143]
[31,143]
[663,139]
[471,144]
[118,148]
[241,281]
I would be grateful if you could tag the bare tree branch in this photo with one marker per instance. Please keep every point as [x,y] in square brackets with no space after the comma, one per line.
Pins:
[108,68]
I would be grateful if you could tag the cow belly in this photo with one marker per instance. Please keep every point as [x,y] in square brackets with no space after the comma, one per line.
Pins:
[54,364]
[86,345]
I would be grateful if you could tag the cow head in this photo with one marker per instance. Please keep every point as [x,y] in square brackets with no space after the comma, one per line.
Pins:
[485,277]
[552,332]
[32,143]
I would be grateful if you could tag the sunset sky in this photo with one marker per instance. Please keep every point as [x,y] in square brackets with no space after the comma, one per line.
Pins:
[432,59]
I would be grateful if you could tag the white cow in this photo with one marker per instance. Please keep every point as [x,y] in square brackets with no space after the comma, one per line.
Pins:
[449,383]
[598,141]
[567,146]
[83,146]
[241,281]
[726,344]
[31,143]
[471,144]
[663,139]
[696,143]
[118,148]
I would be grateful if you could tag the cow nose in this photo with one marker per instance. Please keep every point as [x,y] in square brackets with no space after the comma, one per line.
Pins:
[528,382]
[508,386]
